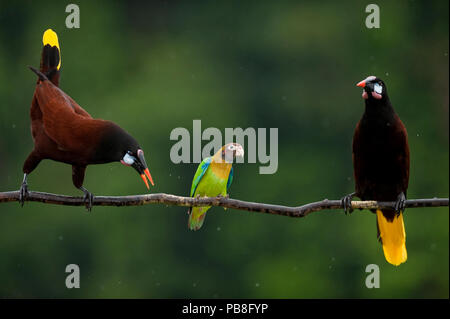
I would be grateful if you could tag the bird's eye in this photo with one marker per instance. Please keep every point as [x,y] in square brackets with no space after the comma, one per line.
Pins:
[378,88]
[128,159]
[231,147]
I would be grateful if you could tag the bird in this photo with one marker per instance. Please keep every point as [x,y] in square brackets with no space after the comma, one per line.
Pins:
[63,131]
[381,160]
[213,177]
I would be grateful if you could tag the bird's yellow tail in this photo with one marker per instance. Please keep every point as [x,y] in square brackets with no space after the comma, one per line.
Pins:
[51,55]
[393,238]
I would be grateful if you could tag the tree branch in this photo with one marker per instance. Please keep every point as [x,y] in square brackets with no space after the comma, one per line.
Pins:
[168,199]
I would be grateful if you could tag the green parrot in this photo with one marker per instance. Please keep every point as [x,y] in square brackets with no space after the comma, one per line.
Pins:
[213,178]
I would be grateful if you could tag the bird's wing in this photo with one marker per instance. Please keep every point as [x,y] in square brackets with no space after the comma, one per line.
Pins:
[230,179]
[201,170]
[78,109]
[356,145]
[403,161]
[61,122]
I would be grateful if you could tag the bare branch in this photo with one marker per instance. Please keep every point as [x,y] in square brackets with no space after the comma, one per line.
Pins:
[168,199]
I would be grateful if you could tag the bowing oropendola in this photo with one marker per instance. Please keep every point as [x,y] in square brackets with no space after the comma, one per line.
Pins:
[63,131]
[381,166]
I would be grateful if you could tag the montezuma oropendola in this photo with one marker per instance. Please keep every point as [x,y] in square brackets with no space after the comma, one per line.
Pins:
[63,131]
[381,166]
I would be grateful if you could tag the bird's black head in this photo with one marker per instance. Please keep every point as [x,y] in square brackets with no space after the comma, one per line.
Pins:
[374,88]
[120,146]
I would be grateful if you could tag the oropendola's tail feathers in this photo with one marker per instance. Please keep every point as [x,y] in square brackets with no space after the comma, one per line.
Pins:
[393,238]
[51,56]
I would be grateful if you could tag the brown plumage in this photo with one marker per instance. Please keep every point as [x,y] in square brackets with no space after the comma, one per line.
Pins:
[381,165]
[63,131]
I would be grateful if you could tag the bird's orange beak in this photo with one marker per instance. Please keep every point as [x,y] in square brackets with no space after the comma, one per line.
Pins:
[143,169]
[147,173]
[144,178]
[361,84]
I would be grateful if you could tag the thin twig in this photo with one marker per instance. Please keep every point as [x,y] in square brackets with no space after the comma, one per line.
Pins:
[168,199]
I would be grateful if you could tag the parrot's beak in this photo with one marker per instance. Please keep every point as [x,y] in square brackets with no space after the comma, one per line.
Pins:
[240,151]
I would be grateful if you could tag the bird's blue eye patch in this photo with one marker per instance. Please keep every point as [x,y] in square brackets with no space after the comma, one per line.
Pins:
[128,159]
[378,88]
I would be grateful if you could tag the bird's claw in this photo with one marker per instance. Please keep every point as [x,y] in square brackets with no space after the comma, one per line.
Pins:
[400,204]
[88,199]
[23,193]
[347,203]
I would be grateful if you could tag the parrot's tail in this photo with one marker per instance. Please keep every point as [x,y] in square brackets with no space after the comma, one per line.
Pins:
[393,237]
[196,217]
[51,56]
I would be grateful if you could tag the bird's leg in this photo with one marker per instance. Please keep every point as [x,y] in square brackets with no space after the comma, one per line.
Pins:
[400,203]
[30,164]
[88,198]
[23,190]
[347,203]
[225,196]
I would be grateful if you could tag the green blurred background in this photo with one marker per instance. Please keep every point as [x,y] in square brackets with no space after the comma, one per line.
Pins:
[152,67]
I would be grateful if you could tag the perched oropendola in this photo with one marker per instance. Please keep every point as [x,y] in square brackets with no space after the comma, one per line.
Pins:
[381,166]
[63,131]
[213,177]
